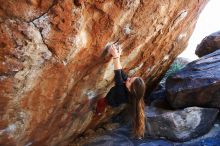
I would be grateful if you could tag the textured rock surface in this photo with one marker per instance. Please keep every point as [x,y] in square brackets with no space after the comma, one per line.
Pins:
[50,66]
[209,44]
[180,125]
[159,92]
[197,84]
[121,136]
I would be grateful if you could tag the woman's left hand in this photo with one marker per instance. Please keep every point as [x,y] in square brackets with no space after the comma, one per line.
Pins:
[115,51]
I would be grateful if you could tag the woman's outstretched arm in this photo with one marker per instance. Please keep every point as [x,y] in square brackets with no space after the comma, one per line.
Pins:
[116,53]
[117,94]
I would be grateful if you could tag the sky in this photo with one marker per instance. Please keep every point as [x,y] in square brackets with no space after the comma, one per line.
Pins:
[208,22]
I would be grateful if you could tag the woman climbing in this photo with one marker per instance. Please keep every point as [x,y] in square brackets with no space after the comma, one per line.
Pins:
[128,90]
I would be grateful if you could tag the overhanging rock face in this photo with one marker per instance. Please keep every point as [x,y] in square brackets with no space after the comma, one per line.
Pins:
[50,66]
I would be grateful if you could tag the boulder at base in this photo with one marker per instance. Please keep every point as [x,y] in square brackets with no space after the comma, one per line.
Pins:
[180,125]
[197,84]
[209,44]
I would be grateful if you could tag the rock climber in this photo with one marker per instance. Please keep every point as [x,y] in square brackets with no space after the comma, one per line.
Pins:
[128,90]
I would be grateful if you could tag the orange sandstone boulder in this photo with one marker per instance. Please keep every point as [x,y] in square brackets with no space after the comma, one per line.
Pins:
[50,65]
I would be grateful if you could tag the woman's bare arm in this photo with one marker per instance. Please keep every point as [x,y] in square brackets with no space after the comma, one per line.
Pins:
[117,63]
[116,53]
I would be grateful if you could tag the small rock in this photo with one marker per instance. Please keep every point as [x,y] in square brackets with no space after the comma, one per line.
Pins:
[100,131]
[111,126]
[90,132]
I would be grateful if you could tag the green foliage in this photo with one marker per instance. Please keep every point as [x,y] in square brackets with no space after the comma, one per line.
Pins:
[174,68]
[177,65]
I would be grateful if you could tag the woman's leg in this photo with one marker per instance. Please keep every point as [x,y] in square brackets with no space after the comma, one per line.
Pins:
[101,105]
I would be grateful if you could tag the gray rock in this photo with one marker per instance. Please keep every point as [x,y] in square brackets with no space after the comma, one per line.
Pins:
[159,91]
[180,125]
[197,84]
[111,139]
[121,137]
[209,44]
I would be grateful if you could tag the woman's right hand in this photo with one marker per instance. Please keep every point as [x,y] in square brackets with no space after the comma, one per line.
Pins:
[115,51]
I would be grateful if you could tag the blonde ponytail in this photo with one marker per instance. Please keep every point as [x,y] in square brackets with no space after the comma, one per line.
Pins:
[137,107]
